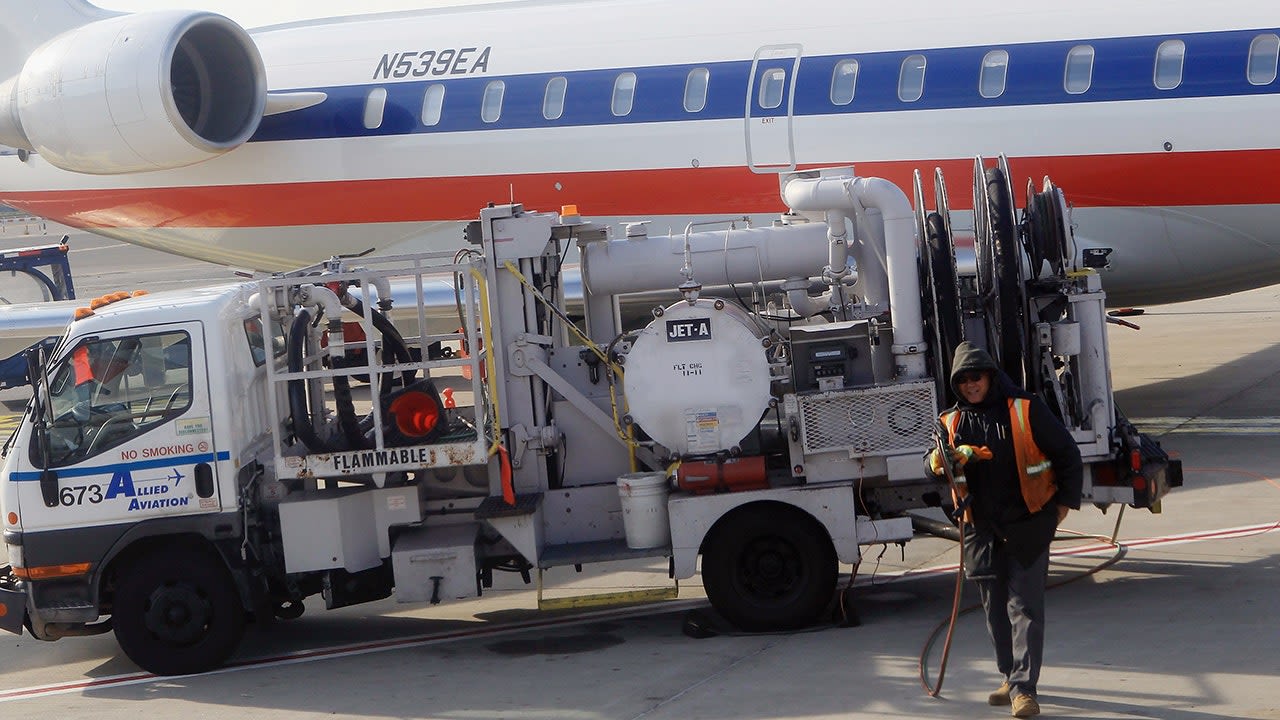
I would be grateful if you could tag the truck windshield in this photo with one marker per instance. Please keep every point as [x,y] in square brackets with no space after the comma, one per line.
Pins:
[107,391]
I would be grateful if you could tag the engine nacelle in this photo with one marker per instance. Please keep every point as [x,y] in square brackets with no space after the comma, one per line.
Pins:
[147,91]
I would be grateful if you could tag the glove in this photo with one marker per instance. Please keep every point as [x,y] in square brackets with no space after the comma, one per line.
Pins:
[964,453]
[935,464]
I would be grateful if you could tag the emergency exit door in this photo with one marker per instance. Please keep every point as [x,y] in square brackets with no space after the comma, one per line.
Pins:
[770,104]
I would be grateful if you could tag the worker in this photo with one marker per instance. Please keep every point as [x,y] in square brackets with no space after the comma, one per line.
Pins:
[1018,473]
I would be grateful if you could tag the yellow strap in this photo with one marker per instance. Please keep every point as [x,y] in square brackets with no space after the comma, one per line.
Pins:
[490,377]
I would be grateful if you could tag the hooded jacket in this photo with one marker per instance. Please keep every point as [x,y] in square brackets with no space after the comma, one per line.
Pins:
[998,505]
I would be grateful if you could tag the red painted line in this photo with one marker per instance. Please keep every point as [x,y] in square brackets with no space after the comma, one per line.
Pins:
[1223,534]
[1242,177]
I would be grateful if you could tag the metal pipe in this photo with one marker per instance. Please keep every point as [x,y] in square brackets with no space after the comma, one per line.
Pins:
[751,255]
[805,305]
[859,195]
[904,279]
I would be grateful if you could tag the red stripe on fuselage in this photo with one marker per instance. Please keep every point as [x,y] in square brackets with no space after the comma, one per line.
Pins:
[1170,179]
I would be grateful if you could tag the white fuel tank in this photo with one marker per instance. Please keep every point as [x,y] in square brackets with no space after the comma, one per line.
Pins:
[697,377]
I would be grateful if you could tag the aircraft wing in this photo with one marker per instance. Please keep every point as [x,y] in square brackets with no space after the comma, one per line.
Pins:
[24,324]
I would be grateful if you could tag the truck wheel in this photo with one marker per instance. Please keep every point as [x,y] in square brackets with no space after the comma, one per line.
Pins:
[769,567]
[177,612]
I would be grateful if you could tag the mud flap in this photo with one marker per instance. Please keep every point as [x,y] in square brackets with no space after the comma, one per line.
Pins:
[13,602]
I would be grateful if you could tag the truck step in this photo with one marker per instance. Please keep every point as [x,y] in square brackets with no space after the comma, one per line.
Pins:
[620,597]
[495,507]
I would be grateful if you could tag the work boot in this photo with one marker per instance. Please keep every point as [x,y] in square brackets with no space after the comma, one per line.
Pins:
[1025,706]
[1001,695]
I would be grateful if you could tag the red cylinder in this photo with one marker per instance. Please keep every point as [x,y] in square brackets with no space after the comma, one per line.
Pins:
[730,475]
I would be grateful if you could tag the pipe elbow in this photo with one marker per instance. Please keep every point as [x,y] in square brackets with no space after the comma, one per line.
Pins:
[885,197]
[804,304]
[321,297]
[383,287]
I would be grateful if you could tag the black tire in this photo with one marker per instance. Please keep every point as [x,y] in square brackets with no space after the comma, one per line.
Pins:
[177,611]
[769,567]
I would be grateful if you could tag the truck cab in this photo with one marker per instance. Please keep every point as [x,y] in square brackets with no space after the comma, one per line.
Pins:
[122,443]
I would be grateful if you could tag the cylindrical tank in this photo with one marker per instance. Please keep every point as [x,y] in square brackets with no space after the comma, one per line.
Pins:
[697,377]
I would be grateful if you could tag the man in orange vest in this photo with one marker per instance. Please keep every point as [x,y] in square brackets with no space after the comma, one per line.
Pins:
[1021,475]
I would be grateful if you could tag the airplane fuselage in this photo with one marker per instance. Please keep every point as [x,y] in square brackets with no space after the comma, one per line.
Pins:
[1153,118]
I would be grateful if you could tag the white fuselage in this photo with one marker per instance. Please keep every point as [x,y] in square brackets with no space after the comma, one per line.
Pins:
[1175,179]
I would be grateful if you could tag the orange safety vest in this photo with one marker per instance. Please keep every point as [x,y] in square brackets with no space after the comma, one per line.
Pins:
[1035,472]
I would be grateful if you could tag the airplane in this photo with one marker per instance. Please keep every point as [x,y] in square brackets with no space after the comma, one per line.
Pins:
[279,147]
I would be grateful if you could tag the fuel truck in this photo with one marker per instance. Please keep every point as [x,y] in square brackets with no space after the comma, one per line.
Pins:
[758,398]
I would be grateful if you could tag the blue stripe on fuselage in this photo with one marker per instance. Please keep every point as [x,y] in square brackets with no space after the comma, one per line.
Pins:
[1215,66]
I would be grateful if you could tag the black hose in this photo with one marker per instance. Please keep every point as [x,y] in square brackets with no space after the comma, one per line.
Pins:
[347,419]
[300,419]
[391,340]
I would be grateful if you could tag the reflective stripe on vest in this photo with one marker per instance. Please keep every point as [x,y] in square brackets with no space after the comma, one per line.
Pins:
[1035,471]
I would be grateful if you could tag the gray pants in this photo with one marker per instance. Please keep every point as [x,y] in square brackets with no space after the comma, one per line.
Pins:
[1014,605]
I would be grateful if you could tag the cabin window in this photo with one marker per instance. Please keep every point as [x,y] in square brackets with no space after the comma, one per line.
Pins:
[1170,57]
[1079,73]
[844,80]
[695,89]
[772,84]
[995,70]
[491,104]
[375,104]
[624,94]
[432,104]
[553,98]
[1264,56]
[911,79]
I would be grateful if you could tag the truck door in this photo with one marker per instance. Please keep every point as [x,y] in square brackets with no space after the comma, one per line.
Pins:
[125,432]
[770,104]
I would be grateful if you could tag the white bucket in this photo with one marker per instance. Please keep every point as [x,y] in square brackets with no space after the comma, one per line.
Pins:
[644,509]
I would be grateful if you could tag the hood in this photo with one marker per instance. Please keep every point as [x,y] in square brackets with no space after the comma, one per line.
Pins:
[971,357]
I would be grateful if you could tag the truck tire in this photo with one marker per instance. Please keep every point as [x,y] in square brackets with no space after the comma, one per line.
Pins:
[769,567]
[177,612]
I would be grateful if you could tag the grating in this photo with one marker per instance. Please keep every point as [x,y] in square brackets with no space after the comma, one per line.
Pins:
[883,420]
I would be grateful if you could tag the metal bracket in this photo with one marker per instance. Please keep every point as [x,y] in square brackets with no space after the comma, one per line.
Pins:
[540,439]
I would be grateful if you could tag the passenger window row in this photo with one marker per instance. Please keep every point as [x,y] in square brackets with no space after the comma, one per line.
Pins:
[1077,77]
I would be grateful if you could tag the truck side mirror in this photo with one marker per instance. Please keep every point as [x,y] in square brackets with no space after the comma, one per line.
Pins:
[49,486]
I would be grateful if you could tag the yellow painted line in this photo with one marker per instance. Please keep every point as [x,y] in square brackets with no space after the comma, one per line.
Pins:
[9,422]
[606,599]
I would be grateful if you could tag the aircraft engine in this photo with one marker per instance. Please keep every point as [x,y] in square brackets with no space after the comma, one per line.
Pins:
[146,91]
